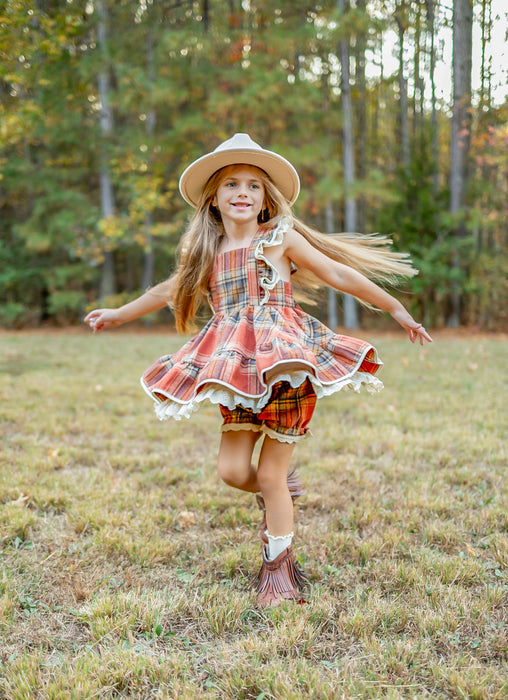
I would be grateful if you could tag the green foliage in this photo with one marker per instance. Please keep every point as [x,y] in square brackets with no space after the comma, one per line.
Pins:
[488,290]
[181,81]
[13,314]
[66,305]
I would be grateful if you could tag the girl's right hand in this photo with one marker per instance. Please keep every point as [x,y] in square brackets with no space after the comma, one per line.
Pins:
[101,319]
[414,330]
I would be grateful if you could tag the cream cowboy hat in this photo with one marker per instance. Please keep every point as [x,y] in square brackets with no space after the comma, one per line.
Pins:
[239,149]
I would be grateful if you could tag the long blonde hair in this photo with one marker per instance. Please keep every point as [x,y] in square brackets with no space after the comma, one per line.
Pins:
[198,247]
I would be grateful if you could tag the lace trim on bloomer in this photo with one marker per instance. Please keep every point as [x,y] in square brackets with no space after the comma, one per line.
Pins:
[281,437]
[227,396]
[277,237]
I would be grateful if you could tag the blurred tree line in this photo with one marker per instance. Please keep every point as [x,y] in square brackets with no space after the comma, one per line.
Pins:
[103,104]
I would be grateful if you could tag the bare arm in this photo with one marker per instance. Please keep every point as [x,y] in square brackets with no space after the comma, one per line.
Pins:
[154,299]
[345,279]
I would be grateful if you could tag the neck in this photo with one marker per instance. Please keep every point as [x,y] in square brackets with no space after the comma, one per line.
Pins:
[239,233]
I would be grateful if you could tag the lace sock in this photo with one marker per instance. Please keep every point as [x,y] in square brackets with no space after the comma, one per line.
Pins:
[276,545]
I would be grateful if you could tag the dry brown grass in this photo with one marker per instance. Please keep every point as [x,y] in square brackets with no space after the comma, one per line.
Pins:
[125,563]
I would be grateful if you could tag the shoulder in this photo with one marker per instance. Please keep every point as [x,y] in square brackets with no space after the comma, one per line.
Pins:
[294,241]
[304,254]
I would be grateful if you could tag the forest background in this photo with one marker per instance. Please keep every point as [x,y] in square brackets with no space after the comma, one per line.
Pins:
[104,104]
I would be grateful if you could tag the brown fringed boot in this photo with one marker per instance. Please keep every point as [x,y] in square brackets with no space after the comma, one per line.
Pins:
[295,490]
[280,579]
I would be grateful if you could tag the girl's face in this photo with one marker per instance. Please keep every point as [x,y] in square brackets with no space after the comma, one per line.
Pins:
[240,195]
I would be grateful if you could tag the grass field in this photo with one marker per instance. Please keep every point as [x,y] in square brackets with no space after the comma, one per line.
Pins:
[125,563]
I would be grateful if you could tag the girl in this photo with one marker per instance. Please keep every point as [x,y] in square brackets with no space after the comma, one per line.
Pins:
[260,357]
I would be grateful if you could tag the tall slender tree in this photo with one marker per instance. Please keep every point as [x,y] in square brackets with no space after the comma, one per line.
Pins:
[361,113]
[401,18]
[348,157]
[150,123]
[106,123]
[460,130]
[431,29]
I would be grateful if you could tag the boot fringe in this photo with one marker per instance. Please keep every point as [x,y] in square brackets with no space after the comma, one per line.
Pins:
[295,485]
[280,579]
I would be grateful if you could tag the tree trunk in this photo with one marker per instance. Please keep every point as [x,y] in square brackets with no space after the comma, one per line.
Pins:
[484,103]
[107,284]
[485,70]
[333,318]
[403,121]
[419,86]
[461,130]
[349,303]
[361,118]
[432,78]
[205,12]
[151,118]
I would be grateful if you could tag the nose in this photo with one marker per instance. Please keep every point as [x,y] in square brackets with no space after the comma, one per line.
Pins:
[243,190]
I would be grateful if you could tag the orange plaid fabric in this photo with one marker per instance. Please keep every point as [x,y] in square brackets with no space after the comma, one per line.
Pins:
[257,331]
[286,415]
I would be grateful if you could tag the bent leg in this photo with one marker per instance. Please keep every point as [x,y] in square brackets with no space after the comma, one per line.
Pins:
[272,479]
[234,461]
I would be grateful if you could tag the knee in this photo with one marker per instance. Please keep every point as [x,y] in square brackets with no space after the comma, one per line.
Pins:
[229,471]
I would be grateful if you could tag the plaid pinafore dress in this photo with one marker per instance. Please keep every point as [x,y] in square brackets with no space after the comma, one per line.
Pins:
[257,336]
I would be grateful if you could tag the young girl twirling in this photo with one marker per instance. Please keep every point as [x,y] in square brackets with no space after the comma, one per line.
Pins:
[261,358]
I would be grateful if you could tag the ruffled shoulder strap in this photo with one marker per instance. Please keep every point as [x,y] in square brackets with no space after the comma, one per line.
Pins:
[272,238]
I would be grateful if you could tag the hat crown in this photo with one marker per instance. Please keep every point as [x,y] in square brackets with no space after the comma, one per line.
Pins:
[239,142]
[239,149]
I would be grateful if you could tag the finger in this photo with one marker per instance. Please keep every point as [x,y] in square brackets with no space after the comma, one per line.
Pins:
[424,335]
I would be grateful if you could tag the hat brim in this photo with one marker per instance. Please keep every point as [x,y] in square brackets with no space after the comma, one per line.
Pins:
[278,169]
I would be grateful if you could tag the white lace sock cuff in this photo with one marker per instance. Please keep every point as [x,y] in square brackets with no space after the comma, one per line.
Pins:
[277,544]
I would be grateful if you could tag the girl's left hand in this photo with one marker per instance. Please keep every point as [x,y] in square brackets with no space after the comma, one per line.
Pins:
[414,330]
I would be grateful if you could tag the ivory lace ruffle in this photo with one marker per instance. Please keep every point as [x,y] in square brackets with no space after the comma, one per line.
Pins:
[277,238]
[228,397]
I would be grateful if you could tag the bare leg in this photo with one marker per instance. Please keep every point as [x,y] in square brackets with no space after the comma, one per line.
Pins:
[234,462]
[272,479]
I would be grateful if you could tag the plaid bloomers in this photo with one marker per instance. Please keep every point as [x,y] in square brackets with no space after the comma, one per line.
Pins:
[285,417]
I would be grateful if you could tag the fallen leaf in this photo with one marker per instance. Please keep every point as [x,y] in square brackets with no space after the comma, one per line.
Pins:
[80,592]
[186,518]
[20,502]
[471,551]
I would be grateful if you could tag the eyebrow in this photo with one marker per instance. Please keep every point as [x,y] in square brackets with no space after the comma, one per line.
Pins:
[233,177]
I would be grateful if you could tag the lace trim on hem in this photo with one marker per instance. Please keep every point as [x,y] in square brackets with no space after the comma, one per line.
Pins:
[280,537]
[240,426]
[281,437]
[227,396]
